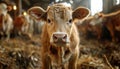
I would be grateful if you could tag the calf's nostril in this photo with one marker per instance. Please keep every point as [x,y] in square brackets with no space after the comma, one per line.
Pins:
[64,37]
[55,38]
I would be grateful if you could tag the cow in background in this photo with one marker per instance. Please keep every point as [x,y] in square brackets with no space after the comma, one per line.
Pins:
[6,22]
[59,38]
[38,24]
[23,25]
[83,26]
[91,25]
[112,22]
[96,26]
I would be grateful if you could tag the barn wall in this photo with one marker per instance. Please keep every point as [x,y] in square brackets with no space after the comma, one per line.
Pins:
[85,3]
[107,5]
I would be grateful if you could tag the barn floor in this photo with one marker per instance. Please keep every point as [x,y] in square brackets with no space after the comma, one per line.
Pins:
[23,53]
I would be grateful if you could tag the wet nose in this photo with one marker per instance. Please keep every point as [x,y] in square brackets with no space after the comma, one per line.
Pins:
[60,37]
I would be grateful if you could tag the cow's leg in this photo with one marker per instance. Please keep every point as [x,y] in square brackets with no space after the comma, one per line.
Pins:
[30,28]
[26,29]
[46,63]
[23,30]
[99,33]
[8,35]
[2,35]
[111,30]
[65,66]
[73,62]
[7,31]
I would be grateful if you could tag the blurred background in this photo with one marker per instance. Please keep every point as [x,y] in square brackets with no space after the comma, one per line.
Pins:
[23,51]
[105,6]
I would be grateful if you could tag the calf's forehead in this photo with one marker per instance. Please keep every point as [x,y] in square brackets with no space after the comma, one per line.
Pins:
[60,12]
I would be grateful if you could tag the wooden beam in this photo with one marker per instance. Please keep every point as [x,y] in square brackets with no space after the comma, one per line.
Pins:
[27,2]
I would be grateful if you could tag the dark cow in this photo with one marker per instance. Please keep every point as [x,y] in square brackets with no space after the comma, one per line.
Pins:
[92,25]
[83,26]
[60,39]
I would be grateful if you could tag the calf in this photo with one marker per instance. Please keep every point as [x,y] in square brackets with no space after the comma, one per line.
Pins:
[60,39]
[23,24]
[38,26]
[6,22]
[91,24]
[111,22]
[83,26]
[96,26]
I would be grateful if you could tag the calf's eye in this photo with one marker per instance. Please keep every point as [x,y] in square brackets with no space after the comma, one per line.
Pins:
[70,21]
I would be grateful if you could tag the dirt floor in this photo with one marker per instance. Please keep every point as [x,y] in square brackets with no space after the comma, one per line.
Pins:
[24,53]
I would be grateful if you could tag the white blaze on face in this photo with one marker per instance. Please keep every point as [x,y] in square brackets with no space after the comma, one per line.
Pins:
[96,20]
[63,24]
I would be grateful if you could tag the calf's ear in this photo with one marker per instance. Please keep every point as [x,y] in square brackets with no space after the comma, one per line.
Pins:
[80,13]
[37,13]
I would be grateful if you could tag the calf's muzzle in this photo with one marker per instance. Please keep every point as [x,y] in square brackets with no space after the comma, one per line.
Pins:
[60,38]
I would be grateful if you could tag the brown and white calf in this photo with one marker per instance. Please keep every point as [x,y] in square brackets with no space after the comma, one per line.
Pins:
[6,22]
[23,24]
[60,39]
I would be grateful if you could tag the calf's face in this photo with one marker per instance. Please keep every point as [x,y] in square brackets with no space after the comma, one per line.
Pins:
[97,19]
[59,21]
[59,24]
[4,9]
